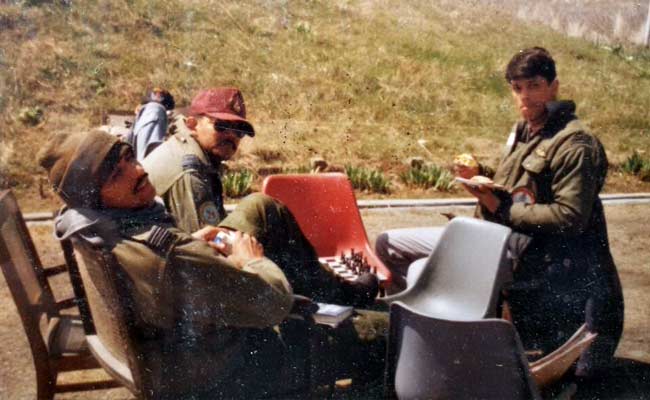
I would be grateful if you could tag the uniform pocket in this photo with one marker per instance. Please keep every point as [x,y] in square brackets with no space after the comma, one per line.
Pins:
[535,164]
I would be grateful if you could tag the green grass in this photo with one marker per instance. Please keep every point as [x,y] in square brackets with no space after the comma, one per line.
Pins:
[352,81]
[237,184]
[428,176]
[368,180]
[637,165]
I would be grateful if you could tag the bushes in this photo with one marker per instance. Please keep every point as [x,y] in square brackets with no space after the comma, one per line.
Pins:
[637,165]
[237,184]
[364,179]
[428,176]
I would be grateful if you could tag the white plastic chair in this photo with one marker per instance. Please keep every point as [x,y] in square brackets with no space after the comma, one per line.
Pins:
[462,278]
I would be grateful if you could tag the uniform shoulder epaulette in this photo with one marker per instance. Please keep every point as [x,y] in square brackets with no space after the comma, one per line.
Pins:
[160,239]
[582,138]
[191,161]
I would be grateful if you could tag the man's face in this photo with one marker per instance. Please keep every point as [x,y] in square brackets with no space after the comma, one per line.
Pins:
[128,185]
[221,143]
[532,94]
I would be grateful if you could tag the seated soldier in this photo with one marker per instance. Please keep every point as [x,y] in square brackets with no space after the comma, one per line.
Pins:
[185,171]
[208,319]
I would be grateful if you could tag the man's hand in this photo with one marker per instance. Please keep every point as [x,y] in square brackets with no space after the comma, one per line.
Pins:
[485,196]
[208,233]
[245,248]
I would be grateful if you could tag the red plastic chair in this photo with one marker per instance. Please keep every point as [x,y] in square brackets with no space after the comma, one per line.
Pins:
[326,210]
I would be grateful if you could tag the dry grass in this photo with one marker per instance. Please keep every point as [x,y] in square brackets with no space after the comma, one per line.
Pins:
[355,81]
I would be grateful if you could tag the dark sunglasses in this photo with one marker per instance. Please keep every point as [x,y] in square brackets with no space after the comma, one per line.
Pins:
[223,128]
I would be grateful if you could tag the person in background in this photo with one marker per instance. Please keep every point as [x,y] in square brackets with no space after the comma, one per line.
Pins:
[150,126]
[186,173]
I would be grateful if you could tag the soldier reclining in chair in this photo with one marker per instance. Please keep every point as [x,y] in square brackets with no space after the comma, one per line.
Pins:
[221,309]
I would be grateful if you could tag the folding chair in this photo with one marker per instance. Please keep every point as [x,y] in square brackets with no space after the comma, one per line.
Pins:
[432,358]
[62,347]
[463,277]
[326,210]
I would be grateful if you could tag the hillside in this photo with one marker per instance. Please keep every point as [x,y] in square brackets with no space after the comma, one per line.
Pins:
[357,82]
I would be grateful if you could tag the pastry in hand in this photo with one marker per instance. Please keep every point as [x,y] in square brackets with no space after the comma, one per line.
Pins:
[465,160]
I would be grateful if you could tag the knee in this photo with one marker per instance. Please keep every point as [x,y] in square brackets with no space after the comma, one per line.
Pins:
[382,244]
[260,200]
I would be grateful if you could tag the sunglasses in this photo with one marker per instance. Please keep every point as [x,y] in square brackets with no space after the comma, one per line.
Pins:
[235,129]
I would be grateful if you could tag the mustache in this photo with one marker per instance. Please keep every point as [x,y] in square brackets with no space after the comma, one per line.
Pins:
[232,143]
[139,182]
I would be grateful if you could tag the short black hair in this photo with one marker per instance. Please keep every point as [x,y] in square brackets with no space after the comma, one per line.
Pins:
[528,63]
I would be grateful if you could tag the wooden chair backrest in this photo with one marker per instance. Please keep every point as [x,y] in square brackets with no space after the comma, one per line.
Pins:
[112,314]
[25,277]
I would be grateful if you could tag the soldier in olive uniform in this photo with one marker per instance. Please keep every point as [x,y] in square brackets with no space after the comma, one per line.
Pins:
[185,170]
[206,320]
[554,170]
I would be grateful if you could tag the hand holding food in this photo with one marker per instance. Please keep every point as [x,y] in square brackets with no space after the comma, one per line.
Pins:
[466,166]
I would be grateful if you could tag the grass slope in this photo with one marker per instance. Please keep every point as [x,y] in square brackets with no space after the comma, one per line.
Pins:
[357,82]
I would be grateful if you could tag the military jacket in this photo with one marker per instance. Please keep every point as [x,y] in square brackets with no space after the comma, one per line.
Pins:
[566,275]
[196,308]
[186,180]
[558,174]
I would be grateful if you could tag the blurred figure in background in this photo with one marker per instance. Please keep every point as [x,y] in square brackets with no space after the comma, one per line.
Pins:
[150,127]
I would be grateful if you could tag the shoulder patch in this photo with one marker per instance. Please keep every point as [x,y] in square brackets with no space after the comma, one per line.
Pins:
[209,213]
[160,239]
[191,162]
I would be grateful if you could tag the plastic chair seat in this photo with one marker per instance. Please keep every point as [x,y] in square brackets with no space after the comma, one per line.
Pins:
[432,358]
[463,276]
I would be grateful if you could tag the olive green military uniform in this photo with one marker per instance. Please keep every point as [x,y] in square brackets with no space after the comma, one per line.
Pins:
[566,276]
[186,179]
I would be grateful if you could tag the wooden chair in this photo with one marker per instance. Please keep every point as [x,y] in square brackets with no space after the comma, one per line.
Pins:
[111,337]
[326,210]
[114,341]
[61,347]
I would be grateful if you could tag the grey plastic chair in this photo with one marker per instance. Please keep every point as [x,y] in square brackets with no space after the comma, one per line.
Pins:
[463,276]
[430,358]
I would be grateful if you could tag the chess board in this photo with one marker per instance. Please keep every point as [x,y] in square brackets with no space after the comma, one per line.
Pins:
[349,265]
